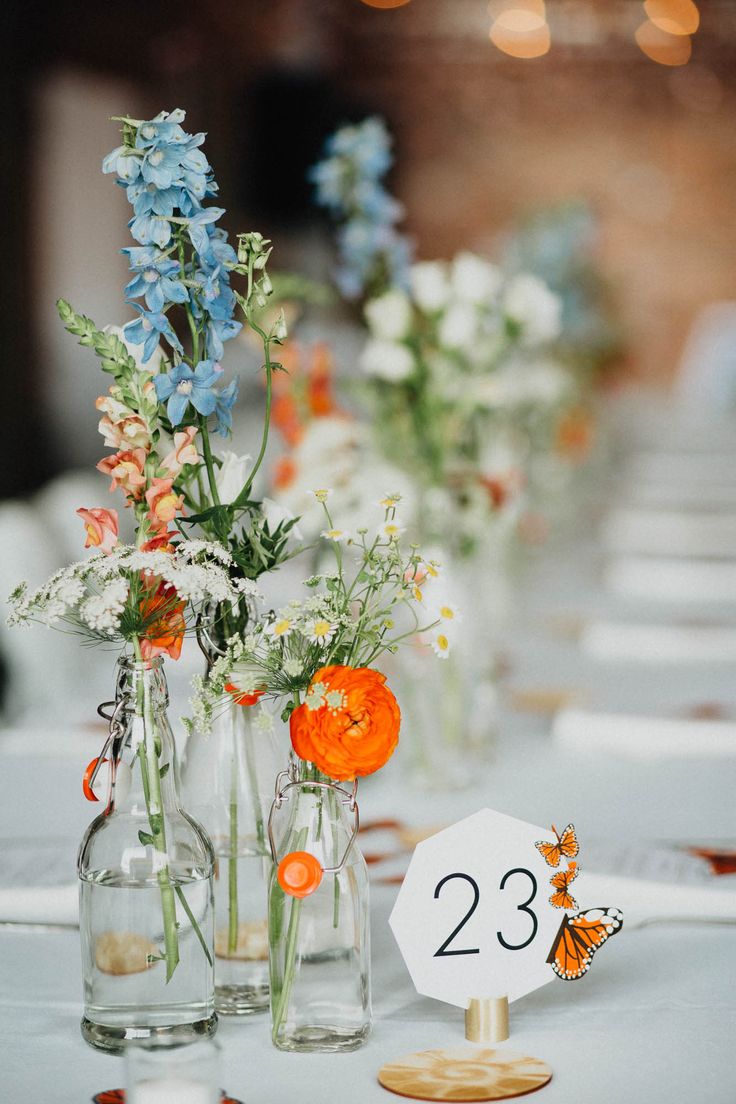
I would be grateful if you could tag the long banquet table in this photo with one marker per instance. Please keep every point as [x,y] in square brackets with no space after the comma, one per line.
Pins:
[654,1021]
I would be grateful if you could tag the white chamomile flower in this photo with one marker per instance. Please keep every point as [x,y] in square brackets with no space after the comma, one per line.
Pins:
[391,530]
[320,631]
[336,535]
[441,645]
[389,501]
[448,611]
[321,493]
[280,628]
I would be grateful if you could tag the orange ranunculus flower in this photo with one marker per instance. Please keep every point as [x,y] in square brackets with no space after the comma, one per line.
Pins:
[166,625]
[348,726]
[101,527]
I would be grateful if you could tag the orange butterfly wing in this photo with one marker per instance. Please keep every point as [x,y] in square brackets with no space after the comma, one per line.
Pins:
[579,937]
[550,852]
[561,882]
[567,845]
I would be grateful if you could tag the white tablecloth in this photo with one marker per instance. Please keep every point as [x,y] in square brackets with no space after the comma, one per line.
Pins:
[653,1023]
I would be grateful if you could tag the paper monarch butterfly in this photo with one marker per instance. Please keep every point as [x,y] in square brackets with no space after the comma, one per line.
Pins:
[579,937]
[567,846]
[561,881]
[117,1096]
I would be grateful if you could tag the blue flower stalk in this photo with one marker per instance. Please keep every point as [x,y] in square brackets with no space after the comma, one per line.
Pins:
[373,254]
[184,262]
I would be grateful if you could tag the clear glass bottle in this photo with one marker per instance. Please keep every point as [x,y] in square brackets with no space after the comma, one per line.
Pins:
[319,943]
[227,782]
[146,885]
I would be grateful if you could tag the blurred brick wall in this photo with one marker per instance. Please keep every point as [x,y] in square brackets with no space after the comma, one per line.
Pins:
[482,138]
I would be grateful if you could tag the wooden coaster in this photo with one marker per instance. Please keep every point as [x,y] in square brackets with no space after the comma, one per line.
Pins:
[464,1074]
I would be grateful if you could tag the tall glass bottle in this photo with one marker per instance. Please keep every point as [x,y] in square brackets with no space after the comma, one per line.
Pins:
[227,782]
[319,933]
[146,885]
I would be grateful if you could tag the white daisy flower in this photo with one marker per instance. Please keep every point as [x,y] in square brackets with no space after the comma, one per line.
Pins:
[441,645]
[391,530]
[280,628]
[320,631]
[448,611]
[336,535]
[389,501]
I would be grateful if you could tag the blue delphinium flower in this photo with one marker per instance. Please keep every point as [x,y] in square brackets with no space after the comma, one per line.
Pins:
[167,179]
[349,184]
[148,329]
[156,278]
[224,403]
[184,385]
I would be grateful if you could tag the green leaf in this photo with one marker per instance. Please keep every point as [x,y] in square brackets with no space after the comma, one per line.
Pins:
[146,838]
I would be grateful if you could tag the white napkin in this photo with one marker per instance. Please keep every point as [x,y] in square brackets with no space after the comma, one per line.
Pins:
[644,900]
[710,496]
[643,737]
[670,580]
[40,904]
[690,469]
[670,532]
[609,640]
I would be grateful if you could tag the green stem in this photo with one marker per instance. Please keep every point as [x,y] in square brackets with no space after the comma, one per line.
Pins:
[287,978]
[232,862]
[193,922]
[209,462]
[243,496]
[156,820]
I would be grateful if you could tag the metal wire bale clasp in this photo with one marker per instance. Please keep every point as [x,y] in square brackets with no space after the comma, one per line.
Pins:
[112,744]
[313,871]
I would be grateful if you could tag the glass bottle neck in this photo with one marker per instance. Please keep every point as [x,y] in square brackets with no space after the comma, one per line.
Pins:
[146,775]
[319,817]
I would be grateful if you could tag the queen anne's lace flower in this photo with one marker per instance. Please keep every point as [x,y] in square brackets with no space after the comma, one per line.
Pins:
[92,595]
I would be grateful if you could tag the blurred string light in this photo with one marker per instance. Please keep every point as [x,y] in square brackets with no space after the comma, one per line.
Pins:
[385,3]
[677,17]
[665,36]
[520,27]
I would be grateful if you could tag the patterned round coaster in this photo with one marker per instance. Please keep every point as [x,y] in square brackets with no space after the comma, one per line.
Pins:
[117,1096]
[464,1074]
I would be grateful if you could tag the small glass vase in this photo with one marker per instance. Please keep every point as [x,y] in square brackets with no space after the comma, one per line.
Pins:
[227,782]
[146,885]
[319,940]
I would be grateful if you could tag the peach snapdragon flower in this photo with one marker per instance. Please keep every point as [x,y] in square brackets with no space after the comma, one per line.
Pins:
[127,471]
[183,452]
[101,527]
[163,503]
[120,427]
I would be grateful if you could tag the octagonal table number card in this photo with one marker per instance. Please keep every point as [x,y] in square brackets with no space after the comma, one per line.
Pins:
[482,911]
